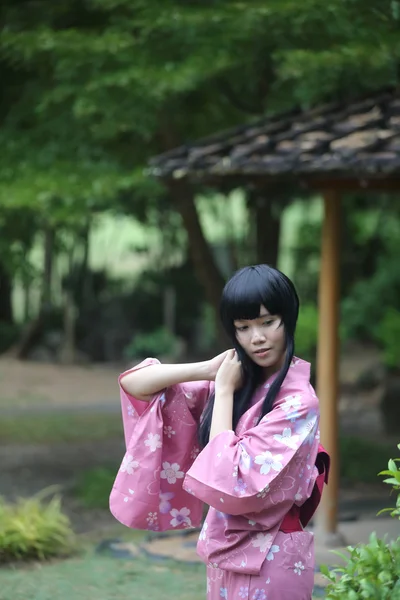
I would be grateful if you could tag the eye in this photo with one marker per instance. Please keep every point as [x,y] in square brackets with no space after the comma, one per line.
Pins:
[242,328]
[269,322]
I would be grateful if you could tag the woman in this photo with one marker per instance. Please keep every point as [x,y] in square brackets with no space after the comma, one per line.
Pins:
[259,466]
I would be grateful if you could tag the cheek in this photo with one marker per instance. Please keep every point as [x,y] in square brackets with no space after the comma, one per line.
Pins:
[279,337]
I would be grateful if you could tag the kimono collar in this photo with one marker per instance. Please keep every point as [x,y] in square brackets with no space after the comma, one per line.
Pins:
[299,370]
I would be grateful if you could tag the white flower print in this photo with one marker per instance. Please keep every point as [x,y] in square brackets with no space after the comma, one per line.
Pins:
[152,518]
[208,585]
[203,532]
[165,505]
[305,426]
[243,592]
[131,410]
[162,398]
[298,568]
[262,541]
[153,442]
[235,471]
[299,496]
[273,550]
[287,439]
[168,431]
[194,453]
[171,472]
[129,464]
[262,493]
[292,403]
[259,595]
[180,517]
[268,462]
[223,592]
[252,523]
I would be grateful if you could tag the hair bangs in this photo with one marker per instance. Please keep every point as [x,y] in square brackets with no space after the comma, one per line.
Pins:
[245,293]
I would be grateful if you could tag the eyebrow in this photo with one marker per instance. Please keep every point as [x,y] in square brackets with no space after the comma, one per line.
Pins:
[261,316]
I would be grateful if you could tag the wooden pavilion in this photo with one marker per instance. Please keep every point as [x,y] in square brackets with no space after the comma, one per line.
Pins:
[332,149]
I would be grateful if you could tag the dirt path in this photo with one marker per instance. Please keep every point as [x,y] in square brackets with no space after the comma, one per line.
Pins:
[29,384]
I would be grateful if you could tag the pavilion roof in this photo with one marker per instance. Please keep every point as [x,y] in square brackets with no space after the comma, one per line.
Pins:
[356,139]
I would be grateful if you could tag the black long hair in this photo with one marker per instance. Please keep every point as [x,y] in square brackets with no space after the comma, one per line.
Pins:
[244,293]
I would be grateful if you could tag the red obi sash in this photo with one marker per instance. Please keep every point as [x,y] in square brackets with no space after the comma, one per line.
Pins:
[299,516]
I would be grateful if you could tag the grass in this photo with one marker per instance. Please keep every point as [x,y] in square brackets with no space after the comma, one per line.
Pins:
[104,578]
[59,427]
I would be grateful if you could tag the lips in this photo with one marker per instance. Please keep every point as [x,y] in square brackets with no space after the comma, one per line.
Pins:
[262,351]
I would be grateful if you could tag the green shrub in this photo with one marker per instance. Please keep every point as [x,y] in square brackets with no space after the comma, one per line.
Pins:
[157,343]
[371,571]
[388,334]
[307,332]
[394,481]
[32,529]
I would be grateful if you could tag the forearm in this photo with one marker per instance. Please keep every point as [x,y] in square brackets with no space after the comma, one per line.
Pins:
[146,382]
[222,411]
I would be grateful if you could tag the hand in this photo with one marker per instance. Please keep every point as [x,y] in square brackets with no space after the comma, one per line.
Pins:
[215,363]
[230,374]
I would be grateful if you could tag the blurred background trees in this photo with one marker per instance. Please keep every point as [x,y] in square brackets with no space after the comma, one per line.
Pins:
[101,262]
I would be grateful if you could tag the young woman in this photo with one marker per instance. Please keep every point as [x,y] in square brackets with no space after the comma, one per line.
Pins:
[238,432]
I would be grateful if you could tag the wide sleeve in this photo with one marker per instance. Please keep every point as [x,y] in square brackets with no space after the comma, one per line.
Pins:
[270,465]
[161,445]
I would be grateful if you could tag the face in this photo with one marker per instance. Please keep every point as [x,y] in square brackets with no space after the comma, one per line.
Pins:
[263,340]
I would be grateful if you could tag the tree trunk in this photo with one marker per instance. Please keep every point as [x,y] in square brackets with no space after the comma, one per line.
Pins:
[268,227]
[34,329]
[6,312]
[200,252]
[47,268]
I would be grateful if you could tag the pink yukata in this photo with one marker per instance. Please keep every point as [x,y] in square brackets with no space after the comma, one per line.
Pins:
[254,479]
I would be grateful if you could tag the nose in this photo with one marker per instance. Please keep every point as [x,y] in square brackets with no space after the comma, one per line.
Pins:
[258,336]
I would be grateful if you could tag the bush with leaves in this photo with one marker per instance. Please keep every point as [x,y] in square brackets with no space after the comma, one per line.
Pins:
[31,529]
[159,342]
[371,571]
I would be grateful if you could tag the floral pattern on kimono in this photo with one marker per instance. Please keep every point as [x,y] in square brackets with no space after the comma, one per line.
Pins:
[250,477]
[161,445]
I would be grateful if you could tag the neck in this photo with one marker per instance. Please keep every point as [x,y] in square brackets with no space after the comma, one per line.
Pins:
[269,371]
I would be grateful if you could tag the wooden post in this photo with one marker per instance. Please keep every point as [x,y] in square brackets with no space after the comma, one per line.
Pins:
[328,362]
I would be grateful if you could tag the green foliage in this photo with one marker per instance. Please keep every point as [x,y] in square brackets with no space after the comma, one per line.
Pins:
[394,481]
[371,571]
[307,332]
[31,529]
[388,333]
[94,486]
[159,342]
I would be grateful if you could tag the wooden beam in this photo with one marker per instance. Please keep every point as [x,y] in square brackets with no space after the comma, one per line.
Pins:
[328,362]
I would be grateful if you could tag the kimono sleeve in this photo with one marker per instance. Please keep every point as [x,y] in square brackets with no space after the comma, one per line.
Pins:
[263,467]
[161,445]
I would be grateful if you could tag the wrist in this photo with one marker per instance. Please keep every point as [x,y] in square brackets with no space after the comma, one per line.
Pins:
[205,371]
[224,389]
